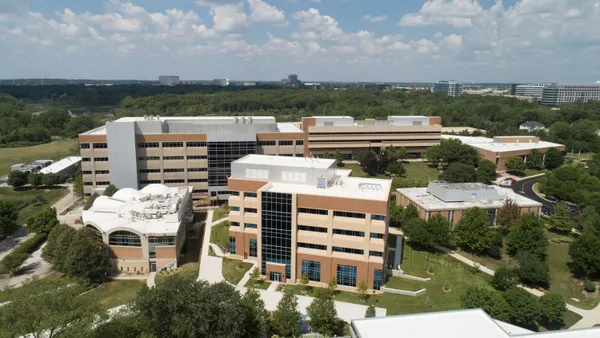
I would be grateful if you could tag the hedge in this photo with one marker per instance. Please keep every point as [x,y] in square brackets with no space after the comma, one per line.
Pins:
[28,247]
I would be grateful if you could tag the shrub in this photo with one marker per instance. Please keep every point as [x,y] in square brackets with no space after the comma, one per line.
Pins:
[504,279]
[22,252]
[589,286]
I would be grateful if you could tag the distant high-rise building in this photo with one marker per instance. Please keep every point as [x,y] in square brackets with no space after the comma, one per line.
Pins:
[221,82]
[531,90]
[513,89]
[168,80]
[450,88]
[555,94]
[292,79]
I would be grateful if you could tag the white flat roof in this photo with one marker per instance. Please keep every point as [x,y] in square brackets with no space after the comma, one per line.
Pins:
[488,144]
[427,201]
[286,161]
[154,209]
[472,323]
[347,187]
[61,165]
[288,127]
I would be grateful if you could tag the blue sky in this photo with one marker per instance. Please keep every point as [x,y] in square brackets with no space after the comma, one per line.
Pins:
[321,40]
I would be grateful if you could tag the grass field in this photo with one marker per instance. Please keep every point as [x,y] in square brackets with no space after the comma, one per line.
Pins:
[418,174]
[52,151]
[221,212]
[219,234]
[406,284]
[116,292]
[258,284]
[189,270]
[234,270]
[31,201]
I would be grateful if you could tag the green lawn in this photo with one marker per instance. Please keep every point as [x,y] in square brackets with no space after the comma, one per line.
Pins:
[418,174]
[234,270]
[116,292]
[189,270]
[406,284]
[221,212]
[49,151]
[531,172]
[219,234]
[262,284]
[30,201]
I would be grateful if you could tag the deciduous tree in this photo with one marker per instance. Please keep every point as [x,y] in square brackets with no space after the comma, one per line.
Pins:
[370,312]
[459,173]
[515,165]
[370,164]
[87,256]
[486,172]
[561,219]
[554,159]
[17,179]
[286,319]
[8,218]
[78,184]
[504,279]
[489,301]
[44,221]
[508,214]
[525,308]
[36,179]
[552,310]
[535,160]
[50,180]
[339,158]
[532,270]
[110,190]
[528,235]
[585,254]
[322,314]
[473,231]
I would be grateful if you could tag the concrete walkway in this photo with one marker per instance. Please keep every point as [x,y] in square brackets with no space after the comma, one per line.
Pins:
[150,280]
[273,286]
[211,268]
[246,277]
[34,266]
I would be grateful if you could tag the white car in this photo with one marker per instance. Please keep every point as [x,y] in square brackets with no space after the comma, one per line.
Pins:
[507,182]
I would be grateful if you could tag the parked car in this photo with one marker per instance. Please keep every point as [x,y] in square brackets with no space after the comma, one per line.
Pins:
[553,200]
[507,182]
[547,211]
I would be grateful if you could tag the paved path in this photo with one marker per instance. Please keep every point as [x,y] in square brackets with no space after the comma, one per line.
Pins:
[211,268]
[246,277]
[273,286]
[150,280]
[12,241]
[33,266]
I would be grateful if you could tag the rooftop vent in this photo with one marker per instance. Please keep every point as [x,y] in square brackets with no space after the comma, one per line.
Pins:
[321,182]
[369,187]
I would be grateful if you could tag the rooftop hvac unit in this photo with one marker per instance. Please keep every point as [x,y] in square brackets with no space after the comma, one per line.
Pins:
[321,182]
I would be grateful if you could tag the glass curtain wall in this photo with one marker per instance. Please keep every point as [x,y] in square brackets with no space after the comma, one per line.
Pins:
[276,230]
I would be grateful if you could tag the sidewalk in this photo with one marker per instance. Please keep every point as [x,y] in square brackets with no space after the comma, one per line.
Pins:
[211,268]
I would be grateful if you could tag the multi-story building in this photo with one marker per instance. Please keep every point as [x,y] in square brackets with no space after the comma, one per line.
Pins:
[501,148]
[133,152]
[451,199]
[298,216]
[530,90]
[554,94]
[450,88]
[145,230]
[168,80]
[328,133]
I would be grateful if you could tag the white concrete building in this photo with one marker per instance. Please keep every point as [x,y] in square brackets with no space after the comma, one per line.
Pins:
[530,90]
[144,229]
[558,94]
[450,88]
[63,168]
[533,126]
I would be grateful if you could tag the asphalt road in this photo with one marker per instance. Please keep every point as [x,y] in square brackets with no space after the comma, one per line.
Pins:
[525,188]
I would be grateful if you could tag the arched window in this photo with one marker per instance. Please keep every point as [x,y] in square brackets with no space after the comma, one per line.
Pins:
[95,230]
[124,238]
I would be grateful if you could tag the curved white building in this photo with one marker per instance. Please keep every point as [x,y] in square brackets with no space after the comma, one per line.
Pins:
[145,228]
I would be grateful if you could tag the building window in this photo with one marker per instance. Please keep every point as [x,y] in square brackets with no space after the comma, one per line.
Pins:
[312,269]
[250,225]
[88,183]
[377,218]
[146,171]
[253,244]
[234,193]
[375,253]
[312,246]
[276,230]
[348,233]
[199,191]
[313,211]
[286,143]
[220,156]
[235,224]
[197,157]
[299,155]
[235,208]
[196,144]
[349,214]
[102,172]
[150,182]
[85,159]
[86,172]
[312,229]
[100,159]
[148,158]
[103,183]
[348,250]
[299,142]
[252,210]
[346,275]
[124,238]
[84,146]
[147,144]
[195,170]
[172,158]
[232,245]
[174,170]
[174,181]
[377,279]
[99,145]
[172,144]
[197,180]
[266,143]
[250,194]
[161,240]
[376,235]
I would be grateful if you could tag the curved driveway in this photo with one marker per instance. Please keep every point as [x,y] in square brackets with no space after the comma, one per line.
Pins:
[525,188]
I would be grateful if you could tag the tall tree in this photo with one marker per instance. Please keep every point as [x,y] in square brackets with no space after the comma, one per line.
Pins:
[370,164]
[17,179]
[110,190]
[50,180]
[36,179]
[504,279]
[552,310]
[508,214]
[585,254]
[528,234]
[535,160]
[396,212]
[43,221]
[525,308]
[89,202]
[322,314]
[370,312]
[532,270]
[392,154]
[396,168]
[486,172]
[87,256]
[515,164]
[432,233]
[286,319]
[489,301]
[8,218]
[409,212]
[339,158]
[561,219]
[257,318]
[78,184]
[55,251]
[48,308]
[473,231]
[459,173]
[554,159]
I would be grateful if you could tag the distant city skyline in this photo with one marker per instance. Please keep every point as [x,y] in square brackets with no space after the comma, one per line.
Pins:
[510,41]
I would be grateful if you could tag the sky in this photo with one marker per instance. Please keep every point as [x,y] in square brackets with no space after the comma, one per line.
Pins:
[320,40]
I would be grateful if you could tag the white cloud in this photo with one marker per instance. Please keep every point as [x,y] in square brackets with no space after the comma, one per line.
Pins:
[325,26]
[227,16]
[457,13]
[398,45]
[263,12]
[371,18]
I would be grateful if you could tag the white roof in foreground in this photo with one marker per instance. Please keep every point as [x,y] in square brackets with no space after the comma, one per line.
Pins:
[472,323]
[155,209]
[287,161]
[61,165]
[488,144]
[342,187]
[427,201]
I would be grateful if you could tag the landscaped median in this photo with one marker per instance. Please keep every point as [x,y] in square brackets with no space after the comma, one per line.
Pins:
[186,270]
[13,261]
[234,270]
[219,235]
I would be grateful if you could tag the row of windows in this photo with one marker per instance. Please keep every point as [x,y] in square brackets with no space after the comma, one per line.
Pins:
[147,145]
[98,172]
[250,225]
[234,224]
[169,144]
[349,214]
[124,238]
[196,144]
[172,144]
[166,170]
[376,235]
[148,158]
[161,240]
[312,269]
[376,133]
[146,171]
[199,191]
[197,180]
[281,143]
[348,250]
[174,181]
[150,181]
[250,194]
[173,158]
[377,217]
[313,211]
[312,229]
[96,159]
[173,170]
[375,253]
[252,210]
[312,246]
[97,183]
[374,141]
[195,170]
[94,145]
[348,233]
